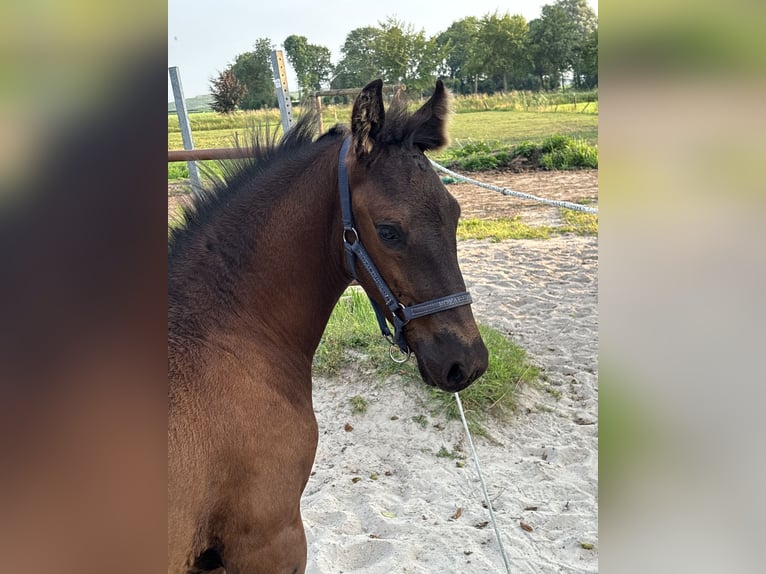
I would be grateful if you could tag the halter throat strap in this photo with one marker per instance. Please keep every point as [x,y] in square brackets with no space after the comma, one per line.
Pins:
[355,252]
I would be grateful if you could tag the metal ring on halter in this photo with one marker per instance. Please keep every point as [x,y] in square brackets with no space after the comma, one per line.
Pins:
[350,230]
[394,351]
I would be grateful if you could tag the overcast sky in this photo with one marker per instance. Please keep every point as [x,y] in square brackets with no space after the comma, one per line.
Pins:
[204,36]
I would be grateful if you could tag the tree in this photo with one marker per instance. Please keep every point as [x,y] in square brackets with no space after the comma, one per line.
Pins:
[583,16]
[586,72]
[227,91]
[253,69]
[458,43]
[393,51]
[311,63]
[406,56]
[585,61]
[502,48]
[358,64]
[554,40]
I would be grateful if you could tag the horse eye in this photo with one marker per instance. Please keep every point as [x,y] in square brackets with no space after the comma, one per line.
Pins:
[390,234]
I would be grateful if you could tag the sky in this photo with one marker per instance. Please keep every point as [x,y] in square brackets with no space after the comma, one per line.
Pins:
[204,36]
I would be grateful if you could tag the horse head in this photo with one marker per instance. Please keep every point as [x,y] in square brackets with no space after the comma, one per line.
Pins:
[408,220]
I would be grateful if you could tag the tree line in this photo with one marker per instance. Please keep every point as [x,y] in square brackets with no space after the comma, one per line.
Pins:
[474,55]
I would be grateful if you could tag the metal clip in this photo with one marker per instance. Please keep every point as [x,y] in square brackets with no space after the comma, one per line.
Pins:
[396,354]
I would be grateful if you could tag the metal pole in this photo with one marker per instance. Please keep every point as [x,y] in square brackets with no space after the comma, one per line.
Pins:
[283,95]
[318,105]
[183,122]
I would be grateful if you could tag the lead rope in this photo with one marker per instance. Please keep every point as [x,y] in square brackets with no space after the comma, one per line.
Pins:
[483,486]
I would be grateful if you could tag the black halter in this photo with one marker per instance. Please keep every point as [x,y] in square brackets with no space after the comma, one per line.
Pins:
[355,250]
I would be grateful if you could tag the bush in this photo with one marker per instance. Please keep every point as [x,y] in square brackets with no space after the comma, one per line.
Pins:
[555,143]
[555,152]
[479,162]
[570,154]
[178,170]
[471,148]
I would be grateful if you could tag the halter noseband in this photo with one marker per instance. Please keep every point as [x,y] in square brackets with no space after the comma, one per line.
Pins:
[355,251]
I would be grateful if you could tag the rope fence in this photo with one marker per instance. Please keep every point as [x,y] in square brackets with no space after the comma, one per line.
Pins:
[509,192]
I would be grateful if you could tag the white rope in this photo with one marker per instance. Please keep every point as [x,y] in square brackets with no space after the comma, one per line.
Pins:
[506,191]
[483,486]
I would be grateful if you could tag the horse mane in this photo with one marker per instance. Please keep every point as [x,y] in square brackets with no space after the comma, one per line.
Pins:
[264,153]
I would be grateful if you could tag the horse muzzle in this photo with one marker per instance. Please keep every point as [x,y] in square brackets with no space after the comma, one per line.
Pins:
[449,362]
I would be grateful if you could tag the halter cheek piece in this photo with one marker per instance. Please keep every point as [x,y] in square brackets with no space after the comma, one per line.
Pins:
[355,251]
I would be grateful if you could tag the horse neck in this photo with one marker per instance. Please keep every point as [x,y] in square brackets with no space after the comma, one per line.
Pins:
[296,274]
[299,272]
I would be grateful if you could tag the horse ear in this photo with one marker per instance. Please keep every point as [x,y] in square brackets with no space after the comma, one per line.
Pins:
[428,125]
[367,117]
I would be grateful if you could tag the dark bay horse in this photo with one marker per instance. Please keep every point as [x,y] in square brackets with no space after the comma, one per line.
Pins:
[254,274]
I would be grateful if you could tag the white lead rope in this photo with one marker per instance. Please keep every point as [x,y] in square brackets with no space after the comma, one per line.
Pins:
[483,486]
[519,194]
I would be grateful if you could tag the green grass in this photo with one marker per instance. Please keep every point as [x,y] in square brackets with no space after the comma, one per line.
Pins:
[453,454]
[421,420]
[212,121]
[496,391]
[352,331]
[579,222]
[178,170]
[351,326]
[193,104]
[580,102]
[503,228]
[512,128]
[358,405]
[500,229]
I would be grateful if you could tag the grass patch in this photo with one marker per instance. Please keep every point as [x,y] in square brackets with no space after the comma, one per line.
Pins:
[358,405]
[452,454]
[579,222]
[352,328]
[212,121]
[513,128]
[178,170]
[421,420]
[496,390]
[500,229]
[352,336]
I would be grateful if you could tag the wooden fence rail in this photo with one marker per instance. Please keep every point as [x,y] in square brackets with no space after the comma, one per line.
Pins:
[202,154]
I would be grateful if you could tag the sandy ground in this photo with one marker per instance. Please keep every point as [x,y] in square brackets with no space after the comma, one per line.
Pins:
[380,501]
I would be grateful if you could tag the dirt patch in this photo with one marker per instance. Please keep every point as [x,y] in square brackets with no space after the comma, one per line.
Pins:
[579,186]
[179,197]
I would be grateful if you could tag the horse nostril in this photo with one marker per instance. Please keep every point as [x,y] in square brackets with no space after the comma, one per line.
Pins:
[456,376]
